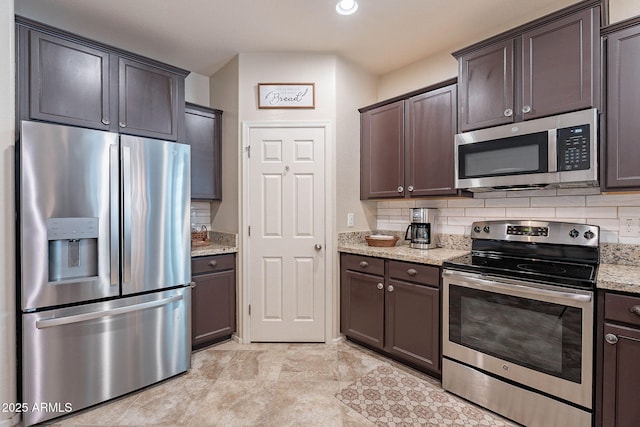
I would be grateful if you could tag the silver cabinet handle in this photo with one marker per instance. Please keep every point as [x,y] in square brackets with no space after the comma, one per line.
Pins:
[318,246]
[105,122]
[192,285]
[526,109]
[412,272]
[390,288]
[364,264]
[508,112]
[611,339]
[410,188]
[635,310]
[213,263]
[122,124]
[400,189]
[380,286]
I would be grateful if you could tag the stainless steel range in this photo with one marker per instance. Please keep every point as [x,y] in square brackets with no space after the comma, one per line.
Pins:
[518,318]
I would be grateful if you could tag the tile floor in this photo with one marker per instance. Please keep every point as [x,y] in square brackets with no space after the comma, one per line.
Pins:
[234,384]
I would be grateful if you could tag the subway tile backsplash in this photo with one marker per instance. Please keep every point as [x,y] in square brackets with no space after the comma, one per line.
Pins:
[200,215]
[583,205]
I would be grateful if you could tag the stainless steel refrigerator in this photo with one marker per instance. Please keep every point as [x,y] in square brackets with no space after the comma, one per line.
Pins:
[105,266]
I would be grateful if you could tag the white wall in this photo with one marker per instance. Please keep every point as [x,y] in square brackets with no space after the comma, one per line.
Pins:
[620,10]
[196,89]
[7,219]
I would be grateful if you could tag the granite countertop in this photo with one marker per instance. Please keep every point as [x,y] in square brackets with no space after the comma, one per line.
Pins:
[213,249]
[434,256]
[613,277]
[616,277]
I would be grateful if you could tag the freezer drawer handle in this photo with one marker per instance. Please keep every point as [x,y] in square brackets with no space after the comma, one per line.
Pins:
[58,321]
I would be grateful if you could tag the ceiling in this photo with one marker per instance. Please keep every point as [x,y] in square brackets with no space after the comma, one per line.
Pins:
[203,35]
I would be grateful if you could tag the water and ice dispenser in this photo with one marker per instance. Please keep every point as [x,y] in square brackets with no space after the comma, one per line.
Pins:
[73,248]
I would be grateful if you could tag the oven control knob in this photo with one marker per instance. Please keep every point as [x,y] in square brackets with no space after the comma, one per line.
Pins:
[477,229]
[574,233]
[588,235]
[486,229]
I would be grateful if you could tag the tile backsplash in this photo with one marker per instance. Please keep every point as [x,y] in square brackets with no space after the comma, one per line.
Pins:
[200,215]
[571,205]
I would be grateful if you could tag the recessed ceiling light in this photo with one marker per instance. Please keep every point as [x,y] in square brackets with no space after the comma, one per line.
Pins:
[346,7]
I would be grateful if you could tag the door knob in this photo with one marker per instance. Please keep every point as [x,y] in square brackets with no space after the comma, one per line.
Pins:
[318,246]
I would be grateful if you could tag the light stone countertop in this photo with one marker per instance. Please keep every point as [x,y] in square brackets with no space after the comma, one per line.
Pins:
[212,249]
[434,256]
[616,277]
[613,277]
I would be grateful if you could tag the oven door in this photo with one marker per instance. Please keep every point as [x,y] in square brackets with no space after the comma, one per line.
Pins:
[531,334]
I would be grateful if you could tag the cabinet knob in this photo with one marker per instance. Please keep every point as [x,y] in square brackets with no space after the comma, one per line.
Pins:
[105,122]
[400,189]
[192,284]
[380,286]
[390,288]
[412,272]
[635,310]
[317,246]
[611,338]
[508,112]
[410,188]
[364,264]
[213,263]
[122,124]
[526,109]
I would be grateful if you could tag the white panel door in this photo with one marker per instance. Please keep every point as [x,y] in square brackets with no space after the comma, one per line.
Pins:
[287,237]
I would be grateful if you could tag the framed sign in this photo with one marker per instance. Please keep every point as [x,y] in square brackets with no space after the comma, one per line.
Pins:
[286,95]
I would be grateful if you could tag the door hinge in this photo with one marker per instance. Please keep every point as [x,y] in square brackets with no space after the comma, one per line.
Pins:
[248,151]
[249,231]
[249,309]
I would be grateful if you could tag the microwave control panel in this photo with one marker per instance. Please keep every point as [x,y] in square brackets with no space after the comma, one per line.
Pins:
[574,148]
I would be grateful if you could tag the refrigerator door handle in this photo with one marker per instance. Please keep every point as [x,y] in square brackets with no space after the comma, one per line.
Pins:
[126,214]
[114,213]
[78,318]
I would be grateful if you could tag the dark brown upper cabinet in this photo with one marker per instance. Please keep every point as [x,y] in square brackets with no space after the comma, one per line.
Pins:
[406,145]
[64,78]
[621,165]
[203,129]
[547,67]
[70,83]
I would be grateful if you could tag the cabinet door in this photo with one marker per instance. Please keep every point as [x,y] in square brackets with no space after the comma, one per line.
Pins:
[623,109]
[202,127]
[382,152]
[621,382]
[148,101]
[69,83]
[559,68]
[429,131]
[486,86]
[214,307]
[362,307]
[413,323]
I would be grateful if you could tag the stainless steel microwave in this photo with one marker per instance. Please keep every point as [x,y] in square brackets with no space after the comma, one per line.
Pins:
[557,151]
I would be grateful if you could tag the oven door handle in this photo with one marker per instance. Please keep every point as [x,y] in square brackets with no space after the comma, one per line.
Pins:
[509,286]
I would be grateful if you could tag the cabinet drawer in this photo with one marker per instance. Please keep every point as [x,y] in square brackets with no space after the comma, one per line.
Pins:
[618,308]
[210,264]
[363,264]
[417,273]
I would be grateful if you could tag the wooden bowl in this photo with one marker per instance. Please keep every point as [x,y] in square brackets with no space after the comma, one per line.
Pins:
[389,241]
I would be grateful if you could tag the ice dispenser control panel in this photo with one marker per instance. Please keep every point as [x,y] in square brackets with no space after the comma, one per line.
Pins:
[73,248]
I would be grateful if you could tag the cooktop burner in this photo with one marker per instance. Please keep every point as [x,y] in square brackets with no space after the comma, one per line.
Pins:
[557,253]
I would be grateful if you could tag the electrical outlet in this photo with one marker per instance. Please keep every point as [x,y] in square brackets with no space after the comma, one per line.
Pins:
[629,227]
[350,220]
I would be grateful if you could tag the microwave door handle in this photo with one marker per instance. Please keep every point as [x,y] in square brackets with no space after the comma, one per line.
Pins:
[553,150]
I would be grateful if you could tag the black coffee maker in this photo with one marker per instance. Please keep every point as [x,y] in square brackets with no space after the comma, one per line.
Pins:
[419,231]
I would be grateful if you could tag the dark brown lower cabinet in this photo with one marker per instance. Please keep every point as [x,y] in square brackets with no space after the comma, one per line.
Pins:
[213,314]
[621,355]
[392,307]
